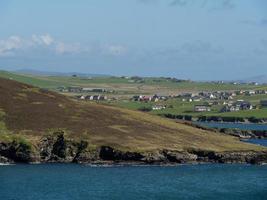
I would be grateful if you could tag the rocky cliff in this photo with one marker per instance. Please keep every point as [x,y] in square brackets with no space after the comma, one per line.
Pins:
[56,148]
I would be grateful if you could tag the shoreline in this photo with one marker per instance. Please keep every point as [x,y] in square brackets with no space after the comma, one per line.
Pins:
[133,164]
[58,149]
[160,158]
[236,132]
[250,123]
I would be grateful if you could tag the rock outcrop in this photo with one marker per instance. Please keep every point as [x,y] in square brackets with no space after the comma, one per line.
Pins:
[17,152]
[56,148]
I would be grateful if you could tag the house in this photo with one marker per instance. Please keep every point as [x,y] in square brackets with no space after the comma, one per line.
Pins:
[81,97]
[215,103]
[212,96]
[230,108]
[74,89]
[186,95]
[196,98]
[96,97]
[163,98]
[202,108]
[146,98]
[89,97]
[87,90]
[62,89]
[246,106]
[136,98]
[250,92]
[263,103]
[102,98]
[158,107]
[98,90]
[237,106]
[155,98]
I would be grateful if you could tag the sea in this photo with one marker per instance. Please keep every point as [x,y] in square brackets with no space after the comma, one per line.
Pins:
[85,182]
[88,182]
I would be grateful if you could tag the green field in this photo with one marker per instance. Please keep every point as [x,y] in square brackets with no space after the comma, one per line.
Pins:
[178,107]
[147,85]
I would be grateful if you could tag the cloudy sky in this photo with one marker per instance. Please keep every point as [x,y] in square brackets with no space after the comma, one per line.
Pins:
[194,39]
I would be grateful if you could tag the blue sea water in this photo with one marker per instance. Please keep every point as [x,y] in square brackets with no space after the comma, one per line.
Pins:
[262,142]
[241,126]
[81,182]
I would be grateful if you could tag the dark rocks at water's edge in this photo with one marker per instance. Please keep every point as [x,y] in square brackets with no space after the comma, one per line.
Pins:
[243,134]
[15,152]
[255,134]
[56,148]
[4,160]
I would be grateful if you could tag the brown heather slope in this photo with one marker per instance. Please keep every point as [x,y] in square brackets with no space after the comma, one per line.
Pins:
[32,112]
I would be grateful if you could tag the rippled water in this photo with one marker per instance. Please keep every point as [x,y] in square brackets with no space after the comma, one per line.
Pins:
[80,182]
[262,142]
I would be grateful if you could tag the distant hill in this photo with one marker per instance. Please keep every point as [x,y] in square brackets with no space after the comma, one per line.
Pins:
[48,73]
[261,79]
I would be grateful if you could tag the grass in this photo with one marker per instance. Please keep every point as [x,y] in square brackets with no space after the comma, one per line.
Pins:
[179,107]
[174,106]
[32,80]
[148,85]
[260,113]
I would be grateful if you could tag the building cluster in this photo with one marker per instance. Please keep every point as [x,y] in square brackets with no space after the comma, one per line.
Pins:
[202,108]
[218,95]
[263,103]
[209,99]
[237,106]
[74,89]
[92,97]
[159,107]
[154,98]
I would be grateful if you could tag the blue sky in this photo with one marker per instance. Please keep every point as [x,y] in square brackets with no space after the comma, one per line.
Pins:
[192,39]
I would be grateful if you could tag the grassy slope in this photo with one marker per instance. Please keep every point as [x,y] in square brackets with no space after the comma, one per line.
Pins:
[37,81]
[31,113]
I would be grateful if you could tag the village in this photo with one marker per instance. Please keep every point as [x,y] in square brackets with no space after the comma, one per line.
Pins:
[228,100]
[203,101]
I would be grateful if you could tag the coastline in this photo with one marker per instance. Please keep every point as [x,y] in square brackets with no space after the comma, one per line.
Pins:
[236,132]
[58,149]
[161,158]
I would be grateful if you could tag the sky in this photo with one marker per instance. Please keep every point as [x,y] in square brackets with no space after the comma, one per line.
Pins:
[188,39]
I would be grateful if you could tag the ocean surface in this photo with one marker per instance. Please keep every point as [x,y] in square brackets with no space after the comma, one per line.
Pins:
[241,126]
[262,142]
[81,182]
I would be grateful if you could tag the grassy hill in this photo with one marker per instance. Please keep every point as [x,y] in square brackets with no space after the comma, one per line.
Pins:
[28,113]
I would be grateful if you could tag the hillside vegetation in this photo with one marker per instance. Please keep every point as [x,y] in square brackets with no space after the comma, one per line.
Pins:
[29,113]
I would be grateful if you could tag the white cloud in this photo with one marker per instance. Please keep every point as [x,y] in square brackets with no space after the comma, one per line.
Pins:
[17,44]
[63,48]
[115,50]
[10,44]
[42,39]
